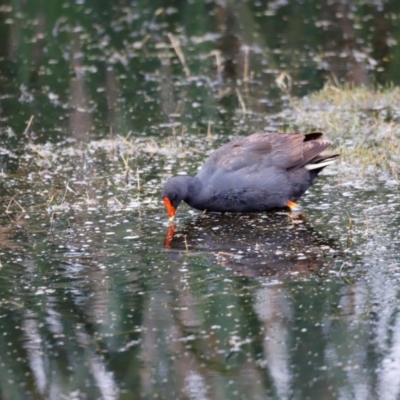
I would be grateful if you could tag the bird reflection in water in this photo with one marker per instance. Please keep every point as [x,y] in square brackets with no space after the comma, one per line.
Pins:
[253,244]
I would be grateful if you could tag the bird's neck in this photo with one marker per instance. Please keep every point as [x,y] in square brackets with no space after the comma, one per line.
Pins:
[193,193]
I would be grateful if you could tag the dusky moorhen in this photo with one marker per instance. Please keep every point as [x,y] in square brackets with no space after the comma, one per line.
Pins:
[256,173]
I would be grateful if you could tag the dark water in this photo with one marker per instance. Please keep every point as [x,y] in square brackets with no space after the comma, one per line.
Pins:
[97,299]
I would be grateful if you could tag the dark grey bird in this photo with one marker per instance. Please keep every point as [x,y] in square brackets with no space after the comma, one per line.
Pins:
[260,172]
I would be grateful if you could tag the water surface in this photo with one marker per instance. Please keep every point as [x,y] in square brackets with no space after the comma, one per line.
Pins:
[96,299]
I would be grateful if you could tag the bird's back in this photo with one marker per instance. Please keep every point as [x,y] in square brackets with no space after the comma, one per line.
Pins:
[259,172]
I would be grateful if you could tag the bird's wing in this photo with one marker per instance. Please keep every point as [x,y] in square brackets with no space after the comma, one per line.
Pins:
[283,151]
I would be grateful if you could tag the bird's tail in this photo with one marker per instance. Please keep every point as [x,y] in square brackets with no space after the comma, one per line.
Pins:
[322,162]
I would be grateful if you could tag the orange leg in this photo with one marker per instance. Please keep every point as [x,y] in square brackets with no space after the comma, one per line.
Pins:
[293,206]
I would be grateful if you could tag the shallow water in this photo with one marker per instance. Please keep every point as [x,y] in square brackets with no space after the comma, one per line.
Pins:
[97,299]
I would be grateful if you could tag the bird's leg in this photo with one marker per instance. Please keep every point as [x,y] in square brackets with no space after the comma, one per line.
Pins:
[296,211]
[293,206]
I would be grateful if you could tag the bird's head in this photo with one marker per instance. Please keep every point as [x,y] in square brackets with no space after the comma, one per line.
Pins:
[174,191]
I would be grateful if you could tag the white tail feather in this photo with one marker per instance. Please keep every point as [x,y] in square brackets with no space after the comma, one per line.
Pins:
[319,165]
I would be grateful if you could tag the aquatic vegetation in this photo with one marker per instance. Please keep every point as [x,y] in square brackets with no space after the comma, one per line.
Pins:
[363,124]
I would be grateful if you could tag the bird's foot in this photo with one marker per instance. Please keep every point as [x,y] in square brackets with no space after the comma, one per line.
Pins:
[297,217]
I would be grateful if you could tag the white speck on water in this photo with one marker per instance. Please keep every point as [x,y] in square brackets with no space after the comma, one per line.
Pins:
[43,290]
